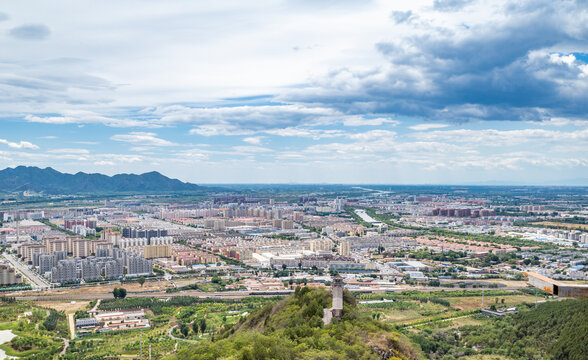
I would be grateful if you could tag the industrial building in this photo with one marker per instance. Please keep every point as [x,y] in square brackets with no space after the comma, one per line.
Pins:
[556,287]
[8,276]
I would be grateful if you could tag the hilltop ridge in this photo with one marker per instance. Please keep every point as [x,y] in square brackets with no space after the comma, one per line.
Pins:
[293,329]
[51,181]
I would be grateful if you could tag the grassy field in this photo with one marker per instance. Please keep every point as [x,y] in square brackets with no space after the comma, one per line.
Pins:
[475,302]
[405,311]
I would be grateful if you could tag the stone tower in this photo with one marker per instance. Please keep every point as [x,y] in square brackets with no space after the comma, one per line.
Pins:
[337,290]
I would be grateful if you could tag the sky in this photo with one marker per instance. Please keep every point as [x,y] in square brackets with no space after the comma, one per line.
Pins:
[298,91]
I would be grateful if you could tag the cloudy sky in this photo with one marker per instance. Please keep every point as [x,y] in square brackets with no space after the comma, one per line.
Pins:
[299,91]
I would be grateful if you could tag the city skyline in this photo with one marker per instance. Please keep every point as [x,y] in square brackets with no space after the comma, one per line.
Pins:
[368,92]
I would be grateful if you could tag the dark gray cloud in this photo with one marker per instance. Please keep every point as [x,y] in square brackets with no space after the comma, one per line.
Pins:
[513,69]
[31,32]
[4,16]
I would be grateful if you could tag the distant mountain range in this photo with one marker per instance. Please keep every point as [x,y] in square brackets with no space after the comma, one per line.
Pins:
[52,181]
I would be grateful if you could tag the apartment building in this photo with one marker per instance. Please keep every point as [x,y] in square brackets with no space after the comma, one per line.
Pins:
[82,248]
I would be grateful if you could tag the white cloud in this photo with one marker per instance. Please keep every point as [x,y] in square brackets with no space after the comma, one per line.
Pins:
[494,137]
[253,140]
[104,163]
[87,117]
[315,134]
[142,138]
[141,148]
[423,127]
[68,151]
[362,121]
[560,121]
[19,145]
[191,155]
[87,142]
[219,129]
[562,59]
[373,135]
[251,149]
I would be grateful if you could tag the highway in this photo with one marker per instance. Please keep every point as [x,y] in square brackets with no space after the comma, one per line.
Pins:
[37,282]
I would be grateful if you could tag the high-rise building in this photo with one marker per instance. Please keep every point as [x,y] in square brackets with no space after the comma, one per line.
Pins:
[344,248]
[219,225]
[136,265]
[287,225]
[143,233]
[46,263]
[70,223]
[110,264]
[91,269]
[82,248]
[111,236]
[277,223]
[127,242]
[65,271]
[70,240]
[321,245]
[157,251]
[162,240]
[53,244]
[101,244]
[113,269]
[26,251]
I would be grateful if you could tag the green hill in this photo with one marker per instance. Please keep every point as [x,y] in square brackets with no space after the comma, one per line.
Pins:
[555,330]
[293,329]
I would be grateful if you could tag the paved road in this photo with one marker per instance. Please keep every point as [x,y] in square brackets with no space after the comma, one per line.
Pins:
[93,296]
[36,281]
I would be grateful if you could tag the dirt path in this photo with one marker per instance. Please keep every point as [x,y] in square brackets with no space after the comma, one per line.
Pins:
[169,333]
[448,319]
[96,306]
[66,345]
[72,325]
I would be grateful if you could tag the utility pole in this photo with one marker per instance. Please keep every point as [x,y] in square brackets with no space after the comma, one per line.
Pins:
[482,297]
[535,298]
[141,344]
[149,351]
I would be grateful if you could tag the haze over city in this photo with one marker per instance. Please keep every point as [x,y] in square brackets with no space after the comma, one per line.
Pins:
[388,92]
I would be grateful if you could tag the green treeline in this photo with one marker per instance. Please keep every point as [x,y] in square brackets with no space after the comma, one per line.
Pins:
[160,306]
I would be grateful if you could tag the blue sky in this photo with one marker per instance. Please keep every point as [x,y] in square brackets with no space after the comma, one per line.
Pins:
[420,92]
